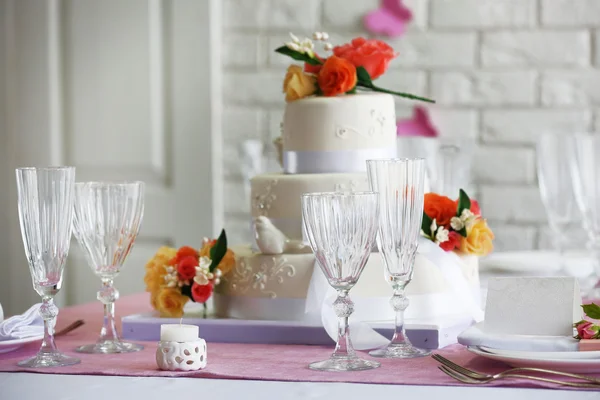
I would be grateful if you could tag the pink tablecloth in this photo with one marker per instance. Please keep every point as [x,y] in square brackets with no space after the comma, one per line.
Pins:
[243,361]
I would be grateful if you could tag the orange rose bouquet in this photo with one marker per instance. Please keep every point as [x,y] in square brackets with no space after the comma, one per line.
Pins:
[456,225]
[352,66]
[175,276]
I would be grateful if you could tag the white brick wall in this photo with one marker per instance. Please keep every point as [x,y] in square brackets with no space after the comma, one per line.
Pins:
[502,71]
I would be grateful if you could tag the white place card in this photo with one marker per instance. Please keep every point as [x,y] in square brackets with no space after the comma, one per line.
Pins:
[532,306]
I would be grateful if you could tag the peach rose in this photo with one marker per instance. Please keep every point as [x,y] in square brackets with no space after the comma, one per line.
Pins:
[337,76]
[227,262]
[479,239]
[440,208]
[297,84]
[169,302]
[156,268]
[372,55]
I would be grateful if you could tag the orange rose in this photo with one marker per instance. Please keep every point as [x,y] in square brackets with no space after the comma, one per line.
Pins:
[479,239]
[297,84]
[337,76]
[440,208]
[372,55]
[228,261]
[169,302]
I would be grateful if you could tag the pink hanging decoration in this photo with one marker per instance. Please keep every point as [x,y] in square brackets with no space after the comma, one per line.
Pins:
[390,19]
[419,125]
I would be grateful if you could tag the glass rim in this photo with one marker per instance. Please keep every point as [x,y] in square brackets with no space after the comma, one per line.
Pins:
[58,168]
[340,194]
[395,160]
[108,183]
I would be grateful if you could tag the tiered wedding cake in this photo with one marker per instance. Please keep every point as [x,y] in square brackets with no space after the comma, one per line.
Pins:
[326,142]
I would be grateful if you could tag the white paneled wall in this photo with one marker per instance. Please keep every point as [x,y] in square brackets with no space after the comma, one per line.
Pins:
[503,71]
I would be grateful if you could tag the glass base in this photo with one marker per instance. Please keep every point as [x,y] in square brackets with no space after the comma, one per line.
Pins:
[405,350]
[42,360]
[337,364]
[109,347]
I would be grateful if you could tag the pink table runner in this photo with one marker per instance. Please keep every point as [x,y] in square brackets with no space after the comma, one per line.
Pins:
[243,361]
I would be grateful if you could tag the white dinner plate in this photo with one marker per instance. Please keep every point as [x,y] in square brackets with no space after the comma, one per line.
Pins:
[546,355]
[12,345]
[528,359]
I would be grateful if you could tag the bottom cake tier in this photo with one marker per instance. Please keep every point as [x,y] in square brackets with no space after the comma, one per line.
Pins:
[275,287]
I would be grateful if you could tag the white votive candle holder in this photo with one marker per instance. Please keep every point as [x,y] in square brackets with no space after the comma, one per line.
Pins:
[180,348]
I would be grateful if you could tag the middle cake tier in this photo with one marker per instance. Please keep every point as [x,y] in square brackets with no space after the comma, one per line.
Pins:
[278,196]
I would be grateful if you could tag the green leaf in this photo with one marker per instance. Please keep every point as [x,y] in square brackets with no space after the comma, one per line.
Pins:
[186,290]
[217,252]
[426,225]
[591,310]
[363,77]
[352,91]
[464,203]
[296,55]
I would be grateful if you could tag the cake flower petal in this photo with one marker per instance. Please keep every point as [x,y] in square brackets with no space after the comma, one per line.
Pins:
[337,76]
[372,55]
[298,84]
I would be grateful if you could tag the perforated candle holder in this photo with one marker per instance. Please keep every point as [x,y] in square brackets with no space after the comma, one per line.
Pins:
[181,356]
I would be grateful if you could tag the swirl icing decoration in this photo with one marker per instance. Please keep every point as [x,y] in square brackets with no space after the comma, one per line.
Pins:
[390,19]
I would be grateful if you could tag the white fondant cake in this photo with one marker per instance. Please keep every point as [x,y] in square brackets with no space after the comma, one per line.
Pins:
[338,134]
[277,196]
[275,287]
[326,142]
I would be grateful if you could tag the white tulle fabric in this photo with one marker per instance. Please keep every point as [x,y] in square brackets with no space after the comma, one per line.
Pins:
[321,296]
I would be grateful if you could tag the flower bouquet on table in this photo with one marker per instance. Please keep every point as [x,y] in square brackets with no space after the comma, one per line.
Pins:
[175,276]
[350,68]
[456,225]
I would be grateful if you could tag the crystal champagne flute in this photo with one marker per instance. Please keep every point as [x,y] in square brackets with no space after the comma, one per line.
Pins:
[341,231]
[45,198]
[399,183]
[108,217]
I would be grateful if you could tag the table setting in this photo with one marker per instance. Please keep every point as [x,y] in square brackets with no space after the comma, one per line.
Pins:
[363,267]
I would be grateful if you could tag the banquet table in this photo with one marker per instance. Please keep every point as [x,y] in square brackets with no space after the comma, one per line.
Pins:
[236,370]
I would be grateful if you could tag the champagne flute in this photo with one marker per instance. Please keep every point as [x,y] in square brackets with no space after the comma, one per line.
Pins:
[45,198]
[399,183]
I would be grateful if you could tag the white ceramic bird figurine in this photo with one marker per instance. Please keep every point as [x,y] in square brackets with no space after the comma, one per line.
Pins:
[271,240]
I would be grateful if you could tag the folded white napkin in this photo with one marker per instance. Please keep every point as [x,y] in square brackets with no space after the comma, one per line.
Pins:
[29,324]
[475,336]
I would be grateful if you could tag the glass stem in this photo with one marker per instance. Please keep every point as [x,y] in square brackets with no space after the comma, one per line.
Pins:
[343,307]
[108,295]
[49,312]
[399,303]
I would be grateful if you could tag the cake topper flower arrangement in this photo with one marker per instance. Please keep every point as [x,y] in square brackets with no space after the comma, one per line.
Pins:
[175,276]
[352,66]
[456,225]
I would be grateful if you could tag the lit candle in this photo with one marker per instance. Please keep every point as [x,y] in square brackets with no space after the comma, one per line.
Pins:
[178,333]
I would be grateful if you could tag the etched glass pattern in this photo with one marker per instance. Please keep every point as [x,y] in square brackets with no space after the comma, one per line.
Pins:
[45,200]
[107,220]
[341,231]
[399,183]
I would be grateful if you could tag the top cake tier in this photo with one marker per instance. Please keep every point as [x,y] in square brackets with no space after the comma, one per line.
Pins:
[338,134]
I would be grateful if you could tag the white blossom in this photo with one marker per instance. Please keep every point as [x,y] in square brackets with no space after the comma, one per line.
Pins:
[294,38]
[203,274]
[433,227]
[467,217]
[442,235]
[325,35]
[457,223]
[318,36]
[328,46]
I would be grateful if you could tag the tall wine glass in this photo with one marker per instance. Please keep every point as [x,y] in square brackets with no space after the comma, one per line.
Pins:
[399,183]
[554,153]
[45,198]
[585,169]
[108,217]
[341,231]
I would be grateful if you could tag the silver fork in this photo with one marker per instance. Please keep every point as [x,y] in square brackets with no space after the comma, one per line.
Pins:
[465,379]
[513,371]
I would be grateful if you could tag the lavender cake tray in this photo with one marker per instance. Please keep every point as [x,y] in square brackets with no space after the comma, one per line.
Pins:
[424,334]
